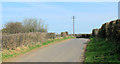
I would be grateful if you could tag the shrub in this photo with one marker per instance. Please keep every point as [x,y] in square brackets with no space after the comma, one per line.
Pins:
[13,27]
[27,25]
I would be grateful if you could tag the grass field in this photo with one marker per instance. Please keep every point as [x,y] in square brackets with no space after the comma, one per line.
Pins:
[101,50]
[6,54]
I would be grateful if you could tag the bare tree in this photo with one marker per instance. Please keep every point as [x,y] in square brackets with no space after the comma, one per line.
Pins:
[34,25]
[28,25]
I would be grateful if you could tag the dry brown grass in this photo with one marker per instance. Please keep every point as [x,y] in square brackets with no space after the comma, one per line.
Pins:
[13,41]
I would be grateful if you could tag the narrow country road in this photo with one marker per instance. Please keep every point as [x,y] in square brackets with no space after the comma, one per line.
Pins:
[68,51]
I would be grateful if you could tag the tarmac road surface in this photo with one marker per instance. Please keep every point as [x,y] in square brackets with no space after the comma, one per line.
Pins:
[66,51]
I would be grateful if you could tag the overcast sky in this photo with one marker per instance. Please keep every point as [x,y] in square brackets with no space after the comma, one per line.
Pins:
[58,15]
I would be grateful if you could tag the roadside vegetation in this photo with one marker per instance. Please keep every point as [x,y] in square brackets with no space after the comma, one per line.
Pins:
[15,32]
[101,50]
[25,26]
[21,37]
[7,54]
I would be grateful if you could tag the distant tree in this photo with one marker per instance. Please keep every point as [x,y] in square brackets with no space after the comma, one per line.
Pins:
[34,25]
[13,27]
[28,25]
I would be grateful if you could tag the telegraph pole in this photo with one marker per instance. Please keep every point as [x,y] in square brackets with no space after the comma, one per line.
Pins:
[73,27]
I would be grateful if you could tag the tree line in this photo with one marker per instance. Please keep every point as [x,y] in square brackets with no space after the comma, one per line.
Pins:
[27,25]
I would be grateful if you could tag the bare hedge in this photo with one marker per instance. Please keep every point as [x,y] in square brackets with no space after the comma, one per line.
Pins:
[51,35]
[13,41]
[64,34]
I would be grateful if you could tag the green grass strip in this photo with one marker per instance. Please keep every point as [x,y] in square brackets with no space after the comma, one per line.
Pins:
[101,50]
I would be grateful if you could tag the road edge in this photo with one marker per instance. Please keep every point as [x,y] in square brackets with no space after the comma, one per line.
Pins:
[62,41]
[84,50]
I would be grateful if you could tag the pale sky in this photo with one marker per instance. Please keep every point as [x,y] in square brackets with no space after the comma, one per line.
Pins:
[58,15]
[60,0]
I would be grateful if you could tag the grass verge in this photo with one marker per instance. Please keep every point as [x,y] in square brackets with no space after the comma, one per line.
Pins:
[7,54]
[101,50]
